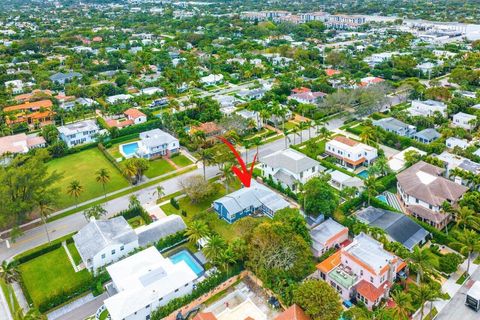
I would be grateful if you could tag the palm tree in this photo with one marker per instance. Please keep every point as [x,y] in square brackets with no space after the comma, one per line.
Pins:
[257,142]
[302,126]
[213,250]
[97,211]
[75,189]
[466,217]
[324,133]
[369,135]
[160,192]
[247,145]
[403,305]
[34,314]
[227,257]
[206,158]
[227,175]
[421,294]
[45,209]
[129,171]
[294,131]
[197,230]
[468,242]
[421,261]
[9,274]
[382,165]
[371,187]
[103,177]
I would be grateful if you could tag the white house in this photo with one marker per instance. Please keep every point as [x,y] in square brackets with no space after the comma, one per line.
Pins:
[79,132]
[144,282]
[151,91]
[290,167]
[340,181]
[252,116]
[135,115]
[351,153]
[157,143]
[211,79]
[307,97]
[15,85]
[119,98]
[464,120]
[453,142]
[427,108]
[100,243]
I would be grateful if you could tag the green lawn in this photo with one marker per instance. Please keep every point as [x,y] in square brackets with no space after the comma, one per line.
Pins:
[462,278]
[74,253]
[181,160]
[50,275]
[11,298]
[158,167]
[289,125]
[82,166]
[203,211]
[136,222]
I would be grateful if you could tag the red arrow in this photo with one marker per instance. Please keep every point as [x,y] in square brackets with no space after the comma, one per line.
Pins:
[244,175]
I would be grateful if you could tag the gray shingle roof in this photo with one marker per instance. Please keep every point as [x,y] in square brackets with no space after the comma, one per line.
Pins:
[428,134]
[98,234]
[160,229]
[291,160]
[398,226]
[390,123]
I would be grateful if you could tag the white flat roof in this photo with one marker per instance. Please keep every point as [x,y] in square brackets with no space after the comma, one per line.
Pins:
[142,279]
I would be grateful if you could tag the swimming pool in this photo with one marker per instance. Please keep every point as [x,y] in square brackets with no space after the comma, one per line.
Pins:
[128,150]
[383,198]
[363,174]
[186,256]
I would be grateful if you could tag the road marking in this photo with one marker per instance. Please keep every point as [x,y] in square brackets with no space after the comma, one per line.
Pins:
[7,243]
[39,235]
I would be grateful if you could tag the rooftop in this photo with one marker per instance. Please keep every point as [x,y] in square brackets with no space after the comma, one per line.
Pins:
[291,160]
[325,231]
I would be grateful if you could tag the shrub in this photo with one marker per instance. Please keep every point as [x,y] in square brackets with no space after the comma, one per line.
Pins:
[174,203]
[437,236]
[449,262]
[171,241]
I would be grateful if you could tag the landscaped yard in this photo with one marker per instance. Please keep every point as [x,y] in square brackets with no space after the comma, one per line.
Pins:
[136,222]
[74,253]
[203,211]
[51,275]
[158,167]
[181,161]
[114,149]
[82,166]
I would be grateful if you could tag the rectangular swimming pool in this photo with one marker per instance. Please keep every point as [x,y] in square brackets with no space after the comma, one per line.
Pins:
[383,198]
[129,149]
[185,255]
[363,174]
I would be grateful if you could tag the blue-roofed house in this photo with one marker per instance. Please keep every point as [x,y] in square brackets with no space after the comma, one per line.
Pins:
[246,201]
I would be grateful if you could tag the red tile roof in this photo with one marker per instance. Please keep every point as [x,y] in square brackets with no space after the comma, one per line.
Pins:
[331,72]
[293,313]
[345,140]
[30,106]
[205,316]
[301,90]
[331,262]
[133,113]
[369,291]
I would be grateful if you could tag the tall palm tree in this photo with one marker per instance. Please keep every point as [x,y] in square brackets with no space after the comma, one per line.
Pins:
[213,250]
[421,261]
[227,175]
[103,177]
[403,305]
[468,243]
[369,135]
[160,191]
[247,145]
[205,157]
[9,274]
[371,187]
[324,133]
[197,230]
[75,189]
[45,209]
[382,165]
[96,211]
[466,217]
[421,294]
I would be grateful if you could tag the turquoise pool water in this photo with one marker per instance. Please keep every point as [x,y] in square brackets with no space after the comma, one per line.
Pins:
[129,149]
[382,198]
[186,256]
[363,174]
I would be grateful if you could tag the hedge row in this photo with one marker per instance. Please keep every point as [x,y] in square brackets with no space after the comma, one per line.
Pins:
[43,249]
[111,142]
[149,125]
[112,160]
[438,236]
[171,241]
[203,287]
[135,212]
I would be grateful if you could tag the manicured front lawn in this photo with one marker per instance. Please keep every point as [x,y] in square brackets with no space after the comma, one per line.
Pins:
[82,166]
[74,253]
[158,167]
[181,160]
[51,275]
[202,211]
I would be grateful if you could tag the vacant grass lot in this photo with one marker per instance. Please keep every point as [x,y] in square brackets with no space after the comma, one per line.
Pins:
[51,275]
[82,166]
[158,167]
[202,211]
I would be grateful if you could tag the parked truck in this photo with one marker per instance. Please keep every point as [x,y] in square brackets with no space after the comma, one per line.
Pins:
[472,299]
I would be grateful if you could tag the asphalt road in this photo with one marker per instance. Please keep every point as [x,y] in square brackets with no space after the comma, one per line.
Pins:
[456,308]
[72,223]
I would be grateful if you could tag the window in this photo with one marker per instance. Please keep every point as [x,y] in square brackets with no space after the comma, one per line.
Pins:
[361,272]
[176,290]
[186,284]
[122,248]
[103,256]
[371,279]
[113,251]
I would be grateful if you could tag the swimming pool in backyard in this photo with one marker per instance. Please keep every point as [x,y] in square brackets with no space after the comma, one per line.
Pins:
[382,198]
[190,260]
[363,174]
[128,150]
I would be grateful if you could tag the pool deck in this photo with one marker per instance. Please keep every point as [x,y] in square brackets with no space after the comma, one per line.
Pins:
[122,152]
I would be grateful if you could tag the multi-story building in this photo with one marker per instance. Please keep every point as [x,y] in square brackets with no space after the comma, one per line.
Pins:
[20,143]
[350,153]
[362,271]
[157,143]
[342,21]
[423,190]
[464,120]
[396,126]
[328,234]
[32,113]
[77,133]
[427,108]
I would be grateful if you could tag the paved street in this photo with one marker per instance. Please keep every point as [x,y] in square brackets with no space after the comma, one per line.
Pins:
[72,223]
[456,308]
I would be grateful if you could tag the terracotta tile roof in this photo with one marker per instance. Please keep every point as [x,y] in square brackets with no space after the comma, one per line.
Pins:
[369,291]
[293,313]
[331,262]
[30,106]
[118,124]
[301,90]
[331,72]
[134,113]
[205,316]
[207,127]
[345,140]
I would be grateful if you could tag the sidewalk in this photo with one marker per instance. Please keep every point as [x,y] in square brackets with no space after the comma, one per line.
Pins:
[4,310]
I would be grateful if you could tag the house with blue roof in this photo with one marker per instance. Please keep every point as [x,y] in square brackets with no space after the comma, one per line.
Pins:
[257,199]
